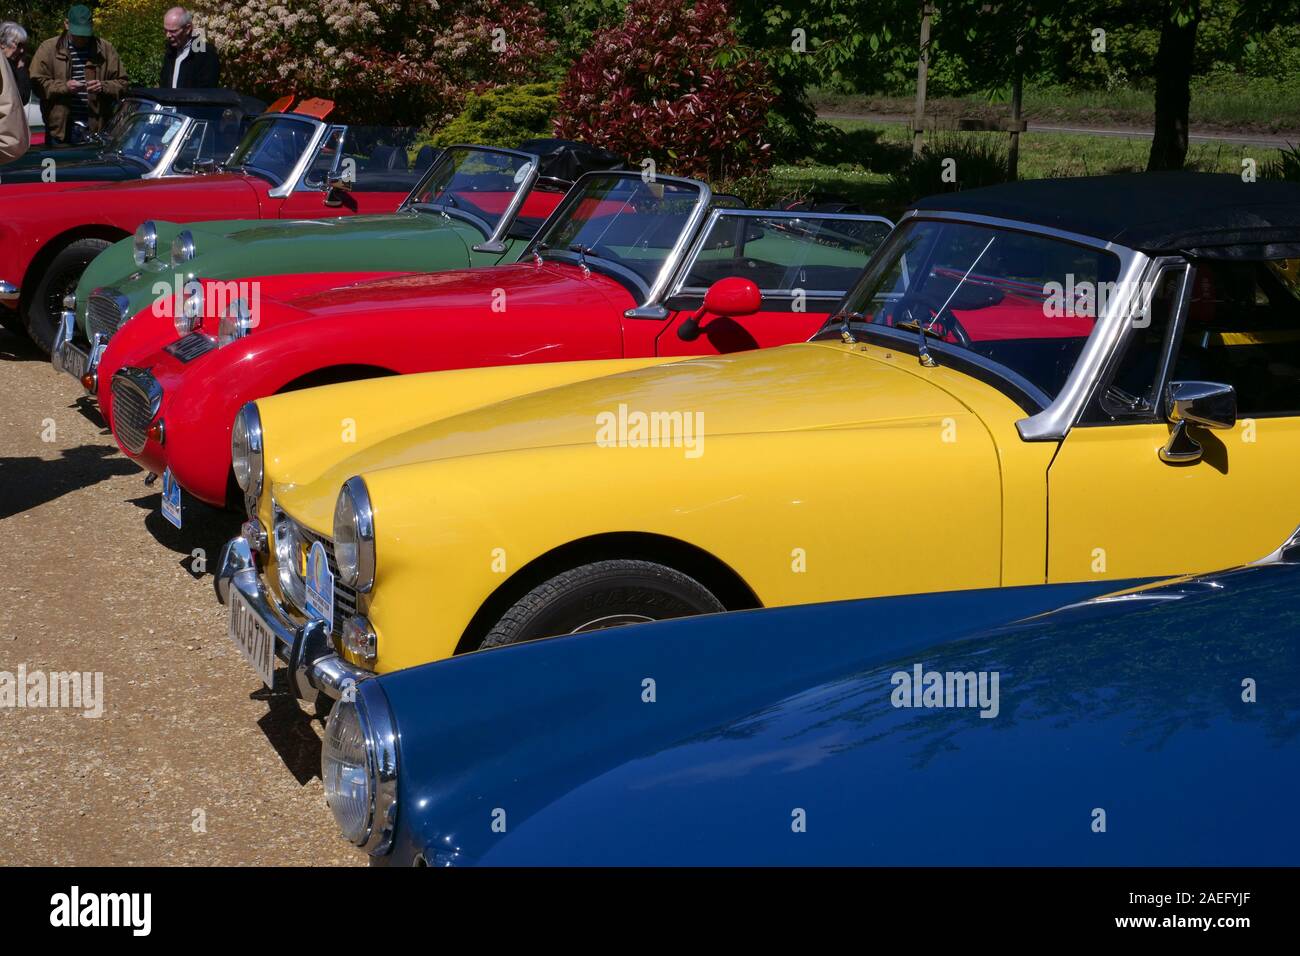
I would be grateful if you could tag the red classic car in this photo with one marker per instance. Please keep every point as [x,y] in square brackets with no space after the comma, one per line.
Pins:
[285,167]
[622,268]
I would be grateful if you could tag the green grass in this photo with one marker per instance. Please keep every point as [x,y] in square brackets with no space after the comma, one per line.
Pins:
[859,167]
[1220,102]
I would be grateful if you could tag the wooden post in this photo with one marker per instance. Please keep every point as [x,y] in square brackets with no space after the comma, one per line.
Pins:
[922,68]
[1017,87]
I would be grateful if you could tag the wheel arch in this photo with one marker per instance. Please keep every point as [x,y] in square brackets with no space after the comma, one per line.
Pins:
[719,577]
[56,244]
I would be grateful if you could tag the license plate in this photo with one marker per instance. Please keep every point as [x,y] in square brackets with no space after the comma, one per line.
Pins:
[74,360]
[254,639]
[171,498]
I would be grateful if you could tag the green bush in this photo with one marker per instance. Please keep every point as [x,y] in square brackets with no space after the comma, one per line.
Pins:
[134,27]
[505,116]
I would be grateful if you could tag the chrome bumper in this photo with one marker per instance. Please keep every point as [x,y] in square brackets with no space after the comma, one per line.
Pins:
[314,667]
[8,292]
[67,356]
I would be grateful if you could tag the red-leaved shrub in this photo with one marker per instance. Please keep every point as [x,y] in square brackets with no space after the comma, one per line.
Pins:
[671,83]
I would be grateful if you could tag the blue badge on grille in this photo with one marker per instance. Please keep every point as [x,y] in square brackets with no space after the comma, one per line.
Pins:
[171,498]
[320,586]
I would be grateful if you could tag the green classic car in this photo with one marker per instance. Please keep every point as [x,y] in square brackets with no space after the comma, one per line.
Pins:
[475,206]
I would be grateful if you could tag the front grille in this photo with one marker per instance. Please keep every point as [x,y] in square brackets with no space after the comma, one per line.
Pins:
[105,313]
[136,397]
[345,598]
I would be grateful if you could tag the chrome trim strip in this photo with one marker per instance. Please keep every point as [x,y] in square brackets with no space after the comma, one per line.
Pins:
[1055,421]
[314,667]
[678,287]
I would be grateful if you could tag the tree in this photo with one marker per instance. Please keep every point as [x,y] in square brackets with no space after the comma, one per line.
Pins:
[1173,73]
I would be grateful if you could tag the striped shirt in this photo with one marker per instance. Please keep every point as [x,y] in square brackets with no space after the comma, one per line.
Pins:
[77,58]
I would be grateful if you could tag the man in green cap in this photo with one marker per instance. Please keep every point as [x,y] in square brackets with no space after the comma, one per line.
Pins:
[79,78]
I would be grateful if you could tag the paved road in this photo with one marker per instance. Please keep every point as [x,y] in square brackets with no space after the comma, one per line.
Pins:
[93,580]
[1275,140]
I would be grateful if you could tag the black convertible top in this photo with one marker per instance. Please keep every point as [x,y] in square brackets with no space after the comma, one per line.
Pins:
[249,105]
[1212,215]
[567,160]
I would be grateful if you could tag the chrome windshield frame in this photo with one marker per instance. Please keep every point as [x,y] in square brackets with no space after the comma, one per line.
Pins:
[1054,422]
[496,236]
[655,292]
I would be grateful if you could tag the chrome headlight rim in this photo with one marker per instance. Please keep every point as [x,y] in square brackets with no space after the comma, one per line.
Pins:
[144,246]
[354,535]
[190,313]
[183,249]
[235,323]
[377,730]
[246,457]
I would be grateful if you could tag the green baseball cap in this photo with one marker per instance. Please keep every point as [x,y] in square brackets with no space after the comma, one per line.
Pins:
[80,22]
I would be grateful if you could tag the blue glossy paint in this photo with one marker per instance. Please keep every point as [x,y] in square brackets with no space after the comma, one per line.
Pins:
[1133,706]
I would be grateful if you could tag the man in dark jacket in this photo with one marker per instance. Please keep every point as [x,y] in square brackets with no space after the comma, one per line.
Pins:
[78,76]
[189,61]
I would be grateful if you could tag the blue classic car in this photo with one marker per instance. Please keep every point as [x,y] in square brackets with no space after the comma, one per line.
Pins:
[1056,724]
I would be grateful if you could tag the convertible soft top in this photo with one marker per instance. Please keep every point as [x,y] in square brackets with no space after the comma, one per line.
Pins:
[567,160]
[249,105]
[1211,215]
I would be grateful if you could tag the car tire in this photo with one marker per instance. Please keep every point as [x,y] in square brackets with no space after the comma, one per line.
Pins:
[599,595]
[41,313]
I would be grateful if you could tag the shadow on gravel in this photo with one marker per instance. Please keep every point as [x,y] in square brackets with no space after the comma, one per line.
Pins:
[19,348]
[289,730]
[28,482]
[204,531]
[88,408]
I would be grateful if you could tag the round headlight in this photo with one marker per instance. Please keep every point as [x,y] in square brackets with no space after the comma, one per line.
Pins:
[235,324]
[190,311]
[358,763]
[345,769]
[246,450]
[354,536]
[145,245]
[182,247]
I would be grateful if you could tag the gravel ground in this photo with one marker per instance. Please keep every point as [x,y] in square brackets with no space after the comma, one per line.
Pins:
[192,760]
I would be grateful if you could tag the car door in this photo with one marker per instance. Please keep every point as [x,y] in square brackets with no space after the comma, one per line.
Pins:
[1117,506]
[803,263]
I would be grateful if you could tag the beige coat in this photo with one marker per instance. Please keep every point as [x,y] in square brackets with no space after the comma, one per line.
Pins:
[15,137]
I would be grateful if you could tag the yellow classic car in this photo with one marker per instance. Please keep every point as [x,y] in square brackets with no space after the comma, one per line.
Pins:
[1047,381]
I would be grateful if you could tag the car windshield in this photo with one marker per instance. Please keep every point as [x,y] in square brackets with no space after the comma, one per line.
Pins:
[146,136]
[479,184]
[817,254]
[622,222]
[1022,300]
[272,147]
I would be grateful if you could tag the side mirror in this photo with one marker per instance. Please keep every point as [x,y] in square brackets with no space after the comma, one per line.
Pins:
[335,187]
[1208,404]
[731,297]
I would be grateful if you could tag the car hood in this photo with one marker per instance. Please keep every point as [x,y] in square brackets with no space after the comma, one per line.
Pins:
[795,388]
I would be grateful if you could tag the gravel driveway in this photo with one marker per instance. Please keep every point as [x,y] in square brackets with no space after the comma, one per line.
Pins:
[192,761]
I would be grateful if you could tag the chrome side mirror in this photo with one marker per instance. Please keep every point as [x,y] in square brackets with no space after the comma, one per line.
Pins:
[1208,404]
